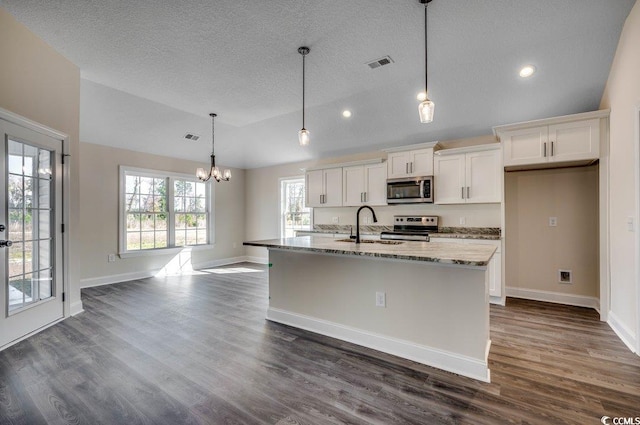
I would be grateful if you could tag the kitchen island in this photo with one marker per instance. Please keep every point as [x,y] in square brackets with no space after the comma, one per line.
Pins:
[435,296]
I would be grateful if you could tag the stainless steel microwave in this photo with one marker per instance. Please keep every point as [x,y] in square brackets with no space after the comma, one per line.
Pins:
[410,190]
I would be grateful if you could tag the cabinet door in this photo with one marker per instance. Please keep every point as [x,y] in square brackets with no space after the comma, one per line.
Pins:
[495,275]
[333,187]
[574,141]
[398,164]
[449,179]
[314,186]
[353,186]
[421,162]
[375,177]
[483,177]
[522,147]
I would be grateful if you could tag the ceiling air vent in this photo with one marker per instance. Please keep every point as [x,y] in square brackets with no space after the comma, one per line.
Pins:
[380,62]
[192,137]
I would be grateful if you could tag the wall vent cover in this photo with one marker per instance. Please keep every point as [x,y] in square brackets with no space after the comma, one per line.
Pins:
[380,62]
[192,137]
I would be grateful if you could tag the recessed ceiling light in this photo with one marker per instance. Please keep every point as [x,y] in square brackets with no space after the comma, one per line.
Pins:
[346,113]
[422,96]
[527,71]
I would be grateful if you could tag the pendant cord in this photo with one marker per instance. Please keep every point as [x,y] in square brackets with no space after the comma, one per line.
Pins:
[303,72]
[212,134]
[426,66]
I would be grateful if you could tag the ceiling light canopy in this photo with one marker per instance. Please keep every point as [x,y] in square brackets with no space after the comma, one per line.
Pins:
[527,71]
[426,108]
[213,170]
[303,134]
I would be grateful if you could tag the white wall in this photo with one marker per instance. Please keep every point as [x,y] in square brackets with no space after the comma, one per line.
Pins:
[99,215]
[622,95]
[38,83]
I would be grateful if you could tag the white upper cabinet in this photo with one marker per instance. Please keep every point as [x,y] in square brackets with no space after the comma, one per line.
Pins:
[324,188]
[468,177]
[411,163]
[554,142]
[364,185]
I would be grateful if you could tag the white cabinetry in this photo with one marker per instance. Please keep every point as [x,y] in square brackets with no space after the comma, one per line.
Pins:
[364,184]
[468,175]
[494,266]
[562,142]
[324,188]
[410,161]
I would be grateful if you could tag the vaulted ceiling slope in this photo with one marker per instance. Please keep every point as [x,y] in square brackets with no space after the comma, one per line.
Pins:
[152,71]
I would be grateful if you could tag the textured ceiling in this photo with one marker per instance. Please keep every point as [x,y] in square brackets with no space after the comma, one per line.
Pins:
[152,70]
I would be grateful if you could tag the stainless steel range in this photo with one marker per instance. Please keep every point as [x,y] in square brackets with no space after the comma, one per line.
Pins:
[412,227]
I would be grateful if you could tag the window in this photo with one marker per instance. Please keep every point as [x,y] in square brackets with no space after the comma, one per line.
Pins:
[293,213]
[162,210]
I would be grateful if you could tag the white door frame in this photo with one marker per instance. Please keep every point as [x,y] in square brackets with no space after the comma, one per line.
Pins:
[636,167]
[47,131]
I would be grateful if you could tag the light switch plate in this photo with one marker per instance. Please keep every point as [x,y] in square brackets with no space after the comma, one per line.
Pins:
[335,220]
[553,221]
[381,299]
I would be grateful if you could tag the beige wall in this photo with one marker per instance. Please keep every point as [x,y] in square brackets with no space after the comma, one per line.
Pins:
[534,251]
[263,202]
[99,185]
[40,84]
[622,95]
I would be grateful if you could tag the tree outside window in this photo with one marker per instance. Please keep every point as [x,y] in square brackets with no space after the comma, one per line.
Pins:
[293,213]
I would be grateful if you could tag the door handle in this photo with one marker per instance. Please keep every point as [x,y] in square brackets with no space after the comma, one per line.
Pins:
[6,243]
[2,228]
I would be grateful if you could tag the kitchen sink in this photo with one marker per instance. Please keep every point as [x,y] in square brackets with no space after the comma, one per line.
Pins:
[385,242]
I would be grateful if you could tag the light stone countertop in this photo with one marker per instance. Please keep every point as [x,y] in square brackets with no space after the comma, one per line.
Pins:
[480,233]
[435,252]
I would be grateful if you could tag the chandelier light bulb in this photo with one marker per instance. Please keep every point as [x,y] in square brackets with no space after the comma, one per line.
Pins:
[227,174]
[422,96]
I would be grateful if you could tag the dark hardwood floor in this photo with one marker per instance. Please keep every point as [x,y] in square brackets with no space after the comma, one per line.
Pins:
[197,350]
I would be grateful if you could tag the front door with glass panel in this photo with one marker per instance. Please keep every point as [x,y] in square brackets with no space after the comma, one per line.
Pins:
[30,240]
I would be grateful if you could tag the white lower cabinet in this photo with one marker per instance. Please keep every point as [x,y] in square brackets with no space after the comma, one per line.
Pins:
[494,267]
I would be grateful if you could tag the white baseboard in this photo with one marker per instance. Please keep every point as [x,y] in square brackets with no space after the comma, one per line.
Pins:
[76,308]
[624,333]
[116,278]
[257,260]
[451,362]
[554,297]
[220,262]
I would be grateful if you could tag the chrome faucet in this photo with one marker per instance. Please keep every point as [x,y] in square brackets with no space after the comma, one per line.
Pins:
[375,220]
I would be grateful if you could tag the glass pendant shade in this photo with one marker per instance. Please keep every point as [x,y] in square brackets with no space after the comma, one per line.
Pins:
[426,109]
[201,174]
[304,137]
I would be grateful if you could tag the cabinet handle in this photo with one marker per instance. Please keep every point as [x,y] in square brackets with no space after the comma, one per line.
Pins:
[468,193]
[462,190]
[551,148]
[411,167]
[545,149]
[361,200]
[406,168]
[365,196]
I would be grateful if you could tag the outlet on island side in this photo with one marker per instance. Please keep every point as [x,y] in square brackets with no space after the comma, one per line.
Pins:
[381,299]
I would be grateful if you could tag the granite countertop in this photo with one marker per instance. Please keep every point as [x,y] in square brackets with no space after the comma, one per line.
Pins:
[481,233]
[445,253]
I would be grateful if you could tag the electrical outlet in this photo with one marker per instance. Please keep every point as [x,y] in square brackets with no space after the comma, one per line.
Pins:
[463,221]
[381,299]
[564,276]
[335,220]
[111,258]
[553,221]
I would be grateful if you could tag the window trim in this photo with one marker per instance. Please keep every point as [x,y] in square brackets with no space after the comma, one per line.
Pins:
[281,180]
[123,170]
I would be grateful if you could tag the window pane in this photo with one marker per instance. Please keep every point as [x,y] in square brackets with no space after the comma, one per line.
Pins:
[28,257]
[28,225]
[133,202]
[198,205]
[44,193]
[179,203]
[132,184]
[44,166]
[146,185]
[30,160]
[192,237]
[147,240]
[161,222]
[133,241]
[133,221]
[200,190]
[46,284]
[202,237]
[44,223]
[190,220]
[180,238]
[28,192]
[15,225]
[15,193]
[180,221]
[159,204]
[44,254]
[161,239]
[201,221]
[16,259]
[147,222]
[160,187]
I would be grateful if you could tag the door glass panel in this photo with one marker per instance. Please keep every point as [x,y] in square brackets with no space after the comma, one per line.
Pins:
[29,210]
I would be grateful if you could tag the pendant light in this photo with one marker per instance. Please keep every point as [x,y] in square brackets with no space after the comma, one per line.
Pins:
[213,171]
[427,107]
[303,134]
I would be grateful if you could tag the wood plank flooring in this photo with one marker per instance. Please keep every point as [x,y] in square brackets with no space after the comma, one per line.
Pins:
[197,350]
